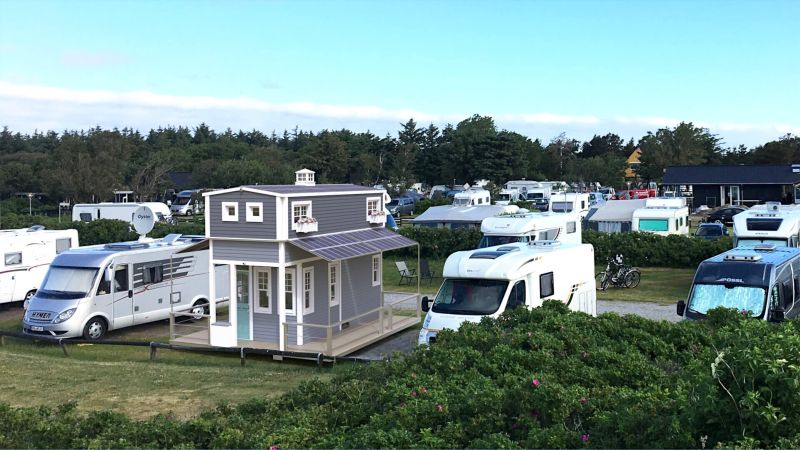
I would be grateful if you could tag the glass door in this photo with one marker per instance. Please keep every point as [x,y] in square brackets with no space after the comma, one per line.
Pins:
[243,302]
[734,195]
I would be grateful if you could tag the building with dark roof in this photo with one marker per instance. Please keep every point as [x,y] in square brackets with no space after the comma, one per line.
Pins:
[736,184]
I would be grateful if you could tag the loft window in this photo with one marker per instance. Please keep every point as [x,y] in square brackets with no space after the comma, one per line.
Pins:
[230,211]
[300,210]
[254,212]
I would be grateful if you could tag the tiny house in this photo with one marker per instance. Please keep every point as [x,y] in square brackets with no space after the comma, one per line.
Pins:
[662,216]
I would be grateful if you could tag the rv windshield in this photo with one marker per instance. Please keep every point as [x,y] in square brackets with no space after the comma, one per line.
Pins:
[742,298]
[535,195]
[491,241]
[752,242]
[461,202]
[472,297]
[504,197]
[182,201]
[68,282]
[562,206]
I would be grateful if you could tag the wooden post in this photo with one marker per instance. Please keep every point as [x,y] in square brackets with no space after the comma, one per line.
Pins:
[329,340]
[171,325]
[153,351]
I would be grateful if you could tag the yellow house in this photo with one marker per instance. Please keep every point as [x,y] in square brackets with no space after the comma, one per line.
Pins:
[633,163]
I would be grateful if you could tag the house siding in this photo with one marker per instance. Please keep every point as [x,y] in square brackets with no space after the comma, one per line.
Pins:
[242,228]
[320,314]
[358,293]
[296,254]
[244,251]
[334,213]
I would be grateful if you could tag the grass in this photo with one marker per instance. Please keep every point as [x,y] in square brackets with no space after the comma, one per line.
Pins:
[659,285]
[391,276]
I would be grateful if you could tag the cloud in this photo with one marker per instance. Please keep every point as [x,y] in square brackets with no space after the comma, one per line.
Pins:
[26,107]
[83,58]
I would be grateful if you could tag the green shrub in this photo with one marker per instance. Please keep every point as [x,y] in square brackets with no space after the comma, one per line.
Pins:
[651,250]
[440,242]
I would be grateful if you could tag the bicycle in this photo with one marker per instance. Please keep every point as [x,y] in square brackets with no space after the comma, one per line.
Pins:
[623,276]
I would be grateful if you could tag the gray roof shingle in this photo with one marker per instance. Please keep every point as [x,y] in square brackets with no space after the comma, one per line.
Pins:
[730,174]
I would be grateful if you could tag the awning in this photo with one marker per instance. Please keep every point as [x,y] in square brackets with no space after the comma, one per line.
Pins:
[339,246]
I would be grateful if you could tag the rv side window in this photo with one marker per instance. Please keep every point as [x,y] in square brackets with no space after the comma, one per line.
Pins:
[121,278]
[12,259]
[153,274]
[86,217]
[546,285]
[571,227]
[62,245]
[517,296]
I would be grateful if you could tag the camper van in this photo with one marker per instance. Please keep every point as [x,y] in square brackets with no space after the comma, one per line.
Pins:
[472,197]
[528,226]
[89,291]
[570,202]
[772,223]
[488,281]
[762,282]
[188,203]
[662,216]
[85,212]
[27,253]
[507,196]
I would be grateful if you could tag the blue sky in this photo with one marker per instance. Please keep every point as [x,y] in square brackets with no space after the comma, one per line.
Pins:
[537,67]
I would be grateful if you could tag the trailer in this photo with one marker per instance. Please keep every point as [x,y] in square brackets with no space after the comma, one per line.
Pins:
[526,226]
[27,253]
[86,212]
[662,216]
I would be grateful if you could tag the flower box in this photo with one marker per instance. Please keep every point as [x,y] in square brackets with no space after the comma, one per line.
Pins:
[306,225]
[376,217]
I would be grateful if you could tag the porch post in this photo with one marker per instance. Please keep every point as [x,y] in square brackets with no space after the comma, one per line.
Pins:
[234,300]
[419,278]
[212,286]
[299,302]
[281,300]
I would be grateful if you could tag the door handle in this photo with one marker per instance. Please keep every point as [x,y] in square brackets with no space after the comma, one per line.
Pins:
[130,293]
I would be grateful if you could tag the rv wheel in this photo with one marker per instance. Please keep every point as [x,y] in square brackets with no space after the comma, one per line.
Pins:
[95,329]
[28,298]
[199,309]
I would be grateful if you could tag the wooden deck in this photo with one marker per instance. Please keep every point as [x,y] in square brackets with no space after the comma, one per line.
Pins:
[344,343]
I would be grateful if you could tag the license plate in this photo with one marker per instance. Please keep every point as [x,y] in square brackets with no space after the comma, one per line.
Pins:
[37,328]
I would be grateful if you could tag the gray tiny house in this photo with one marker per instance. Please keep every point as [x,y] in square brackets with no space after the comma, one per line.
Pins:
[306,266]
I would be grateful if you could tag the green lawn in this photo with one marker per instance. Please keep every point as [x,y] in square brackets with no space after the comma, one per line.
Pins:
[658,285]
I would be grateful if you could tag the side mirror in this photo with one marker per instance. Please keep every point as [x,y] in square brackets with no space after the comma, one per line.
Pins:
[777,315]
[425,305]
[681,307]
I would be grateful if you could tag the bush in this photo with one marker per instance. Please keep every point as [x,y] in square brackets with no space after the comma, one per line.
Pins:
[651,250]
[440,243]
[426,203]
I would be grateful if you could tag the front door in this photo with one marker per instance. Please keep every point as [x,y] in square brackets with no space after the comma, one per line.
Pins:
[243,302]
[122,295]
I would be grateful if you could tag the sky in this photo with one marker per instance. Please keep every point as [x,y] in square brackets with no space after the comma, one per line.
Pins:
[539,68]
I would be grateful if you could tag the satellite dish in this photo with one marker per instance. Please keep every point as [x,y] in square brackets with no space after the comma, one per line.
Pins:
[143,220]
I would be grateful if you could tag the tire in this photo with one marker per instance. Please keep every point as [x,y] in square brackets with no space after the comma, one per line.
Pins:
[95,329]
[632,278]
[601,281]
[189,213]
[719,221]
[199,309]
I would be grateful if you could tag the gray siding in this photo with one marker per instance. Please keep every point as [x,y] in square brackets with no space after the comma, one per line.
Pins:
[320,314]
[334,213]
[265,327]
[358,294]
[242,228]
[296,254]
[246,251]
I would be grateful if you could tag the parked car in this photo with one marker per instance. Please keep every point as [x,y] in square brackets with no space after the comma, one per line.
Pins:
[711,231]
[725,214]
[401,206]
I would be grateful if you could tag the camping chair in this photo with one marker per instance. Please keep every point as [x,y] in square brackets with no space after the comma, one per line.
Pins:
[405,273]
[425,271]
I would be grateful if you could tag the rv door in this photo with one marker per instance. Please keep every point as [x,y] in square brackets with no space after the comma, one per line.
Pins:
[122,295]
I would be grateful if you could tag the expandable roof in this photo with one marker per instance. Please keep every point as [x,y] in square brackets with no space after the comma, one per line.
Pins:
[462,214]
[339,246]
[617,210]
[731,174]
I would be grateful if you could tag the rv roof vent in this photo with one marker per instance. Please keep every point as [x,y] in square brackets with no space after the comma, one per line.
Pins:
[749,258]
[170,239]
[773,206]
[489,254]
[127,245]
[507,248]
[545,244]
[35,228]
[764,248]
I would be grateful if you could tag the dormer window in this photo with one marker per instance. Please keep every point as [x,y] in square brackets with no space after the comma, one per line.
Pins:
[255,212]
[230,211]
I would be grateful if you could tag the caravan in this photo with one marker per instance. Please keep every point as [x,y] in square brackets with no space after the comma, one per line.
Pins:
[487,282]
[27,254]
[507,196]
[528,226]
[85,212]
[91,290]
[662,216]
[762,282]
[568,202]
[772,223]
[472,197]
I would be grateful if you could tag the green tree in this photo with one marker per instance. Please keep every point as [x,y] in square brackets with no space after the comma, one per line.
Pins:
[685,144]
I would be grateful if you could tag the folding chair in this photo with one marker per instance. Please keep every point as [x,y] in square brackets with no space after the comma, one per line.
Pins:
[405,273]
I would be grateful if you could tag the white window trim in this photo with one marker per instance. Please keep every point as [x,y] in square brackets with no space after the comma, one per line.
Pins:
[337,288]
[310,309]
[225,216]
[256,290]
[249,217]
[380,270]
[291,211]
[293,286]
[374,199]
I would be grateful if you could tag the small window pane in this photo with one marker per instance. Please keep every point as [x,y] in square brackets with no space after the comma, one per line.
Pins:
[13,259]
[571,227]
[546,285]
[62,245]
[255,211]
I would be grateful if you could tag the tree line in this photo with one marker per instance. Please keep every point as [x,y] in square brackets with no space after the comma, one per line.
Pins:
[88,165]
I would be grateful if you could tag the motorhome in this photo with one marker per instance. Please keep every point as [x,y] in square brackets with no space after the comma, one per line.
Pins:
[540,197]
[27,253]
[489,281]
[187,203]
[85,212]
[570,202]
[526,226]
[91,290]
[472,197]
[507,196]
[772,223]
[762,282]
[662,216]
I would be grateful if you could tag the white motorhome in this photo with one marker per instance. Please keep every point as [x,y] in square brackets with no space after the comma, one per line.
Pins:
[662,216]
[568,202]
[526,226]
[27,253]
[487,282]
[91,290]
[187,203]
[772,223]
[507,196]
[86,212]
[472,197]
